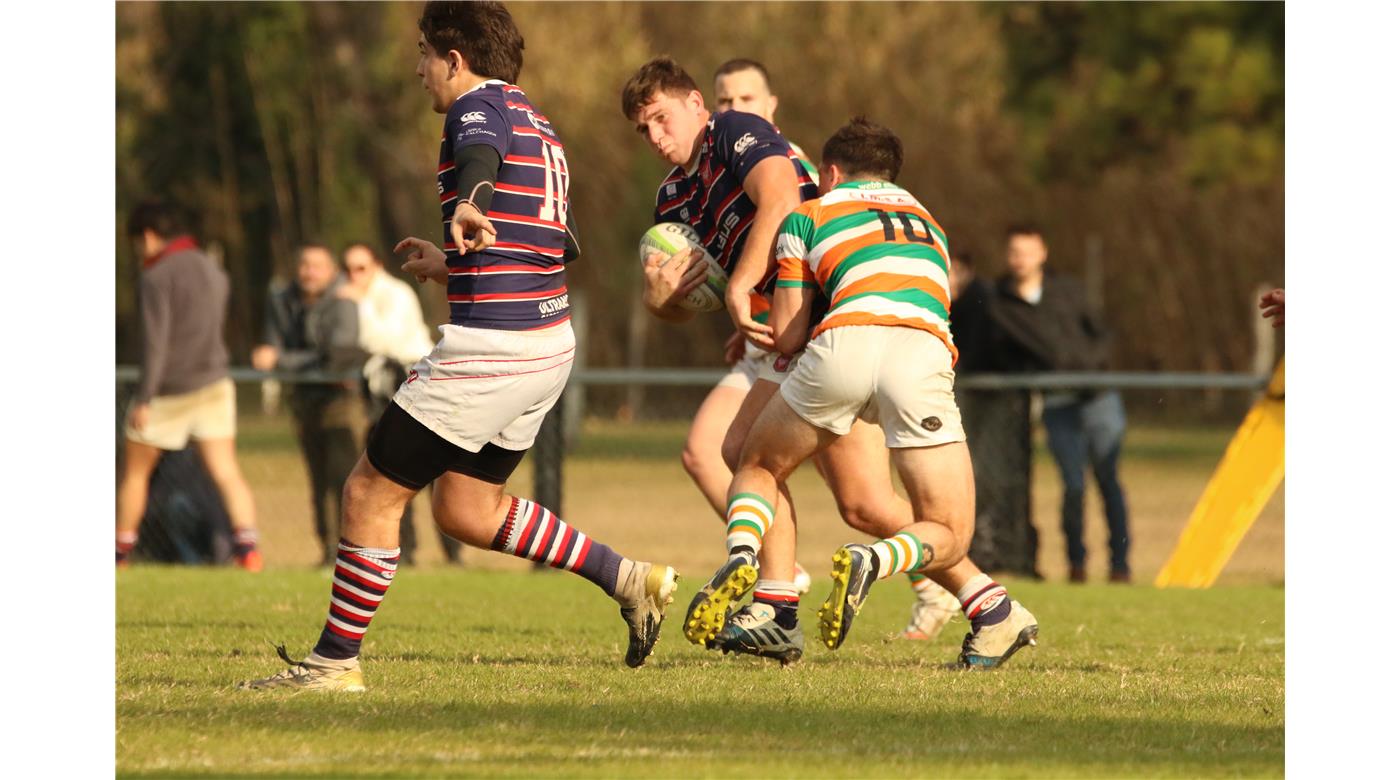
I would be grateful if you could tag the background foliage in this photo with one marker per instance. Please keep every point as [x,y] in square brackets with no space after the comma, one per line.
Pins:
[1148,135]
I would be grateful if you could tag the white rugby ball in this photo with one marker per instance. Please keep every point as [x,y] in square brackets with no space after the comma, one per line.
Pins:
[669,238]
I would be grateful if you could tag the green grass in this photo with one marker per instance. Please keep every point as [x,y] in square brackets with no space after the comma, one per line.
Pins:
[505,674]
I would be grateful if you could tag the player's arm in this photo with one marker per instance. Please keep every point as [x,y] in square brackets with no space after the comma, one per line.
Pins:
[477,167]
[796,287]
[772,186]
[791,317]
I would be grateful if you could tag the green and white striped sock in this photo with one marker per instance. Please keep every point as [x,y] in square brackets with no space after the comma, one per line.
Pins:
[899,553]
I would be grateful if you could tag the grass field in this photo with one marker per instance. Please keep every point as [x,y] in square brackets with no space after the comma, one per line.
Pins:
[515,674]
[490,670]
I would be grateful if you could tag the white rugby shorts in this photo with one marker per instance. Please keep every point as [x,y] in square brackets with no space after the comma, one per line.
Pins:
[481,385]
[900,378]
[758,363]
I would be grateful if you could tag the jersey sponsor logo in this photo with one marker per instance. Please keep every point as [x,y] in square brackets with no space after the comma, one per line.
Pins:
[670,190]
[540,124]
[473,116]
[554,305]
[685,213]
[742,145]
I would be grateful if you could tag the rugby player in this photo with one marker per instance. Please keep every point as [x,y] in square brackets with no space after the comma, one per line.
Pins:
[470,409]
[735,179]
[877,262]
[864,493]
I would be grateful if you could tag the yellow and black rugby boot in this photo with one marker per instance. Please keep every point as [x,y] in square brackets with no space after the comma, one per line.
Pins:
[853,571]
[712,605]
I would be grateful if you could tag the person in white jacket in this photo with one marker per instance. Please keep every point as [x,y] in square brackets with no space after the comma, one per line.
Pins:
[394,334]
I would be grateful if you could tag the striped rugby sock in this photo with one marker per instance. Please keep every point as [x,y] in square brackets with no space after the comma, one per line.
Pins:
[899,553]
[533,532]
[984,601]
[782,597]
[362,577]
[749,517]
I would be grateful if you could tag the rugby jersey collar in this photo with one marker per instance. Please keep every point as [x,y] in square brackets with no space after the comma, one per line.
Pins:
[865,184]
[479,86]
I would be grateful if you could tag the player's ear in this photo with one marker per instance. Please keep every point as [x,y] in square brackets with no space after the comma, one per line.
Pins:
[695,101]
[456,63]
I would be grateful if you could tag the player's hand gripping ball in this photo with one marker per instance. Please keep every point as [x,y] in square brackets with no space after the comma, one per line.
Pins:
[669,238]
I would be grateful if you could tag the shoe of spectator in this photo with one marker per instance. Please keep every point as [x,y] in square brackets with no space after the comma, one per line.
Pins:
[252,562]
[1121,577]
[1078,575]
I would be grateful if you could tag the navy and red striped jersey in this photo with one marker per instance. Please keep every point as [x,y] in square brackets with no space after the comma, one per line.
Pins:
[518,283]
[710,197]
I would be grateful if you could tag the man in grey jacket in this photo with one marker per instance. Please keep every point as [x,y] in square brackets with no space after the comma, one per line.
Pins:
[310,328]
[184,392]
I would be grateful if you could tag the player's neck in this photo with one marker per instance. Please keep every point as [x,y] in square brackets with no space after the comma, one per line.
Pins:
[467,82]
[690,162]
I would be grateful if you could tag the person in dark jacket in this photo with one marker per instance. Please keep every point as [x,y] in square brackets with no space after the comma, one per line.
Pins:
[1048,326]
[310,328]
[998,429]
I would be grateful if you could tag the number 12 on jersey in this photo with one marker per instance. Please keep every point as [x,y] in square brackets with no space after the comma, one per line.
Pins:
[556,184]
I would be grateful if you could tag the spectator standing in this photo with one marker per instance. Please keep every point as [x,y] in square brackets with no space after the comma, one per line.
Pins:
[393,333]
[997,423]
[310,328]
[1049,327]
[184,391]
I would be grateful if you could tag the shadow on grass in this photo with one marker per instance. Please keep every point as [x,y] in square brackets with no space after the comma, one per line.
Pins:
[843,728]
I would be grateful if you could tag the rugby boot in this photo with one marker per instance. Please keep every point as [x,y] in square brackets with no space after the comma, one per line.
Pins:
[644,590]
[753,631]
[710,608]
[853,571]
[929,617]
[312,673]
[991,646]
[801,579]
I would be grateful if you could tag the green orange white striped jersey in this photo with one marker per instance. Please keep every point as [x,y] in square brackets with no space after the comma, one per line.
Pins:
[877,255]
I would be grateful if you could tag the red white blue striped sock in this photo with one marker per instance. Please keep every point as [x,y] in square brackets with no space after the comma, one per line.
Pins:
[782,597]
[984,601]
[533,532]
[362,577]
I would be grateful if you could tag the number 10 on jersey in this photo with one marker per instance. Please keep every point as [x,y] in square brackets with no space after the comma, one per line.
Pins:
[556,184]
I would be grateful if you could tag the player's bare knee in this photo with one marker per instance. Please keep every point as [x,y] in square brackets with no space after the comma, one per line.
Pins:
[864,517]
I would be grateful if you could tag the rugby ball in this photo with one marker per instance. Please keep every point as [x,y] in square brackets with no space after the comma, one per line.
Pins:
[669,238]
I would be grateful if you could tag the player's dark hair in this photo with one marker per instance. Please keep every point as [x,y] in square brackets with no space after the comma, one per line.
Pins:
[740,64]
[663,75]
[483,33]
[1024,229]
[164,219]
[862,147]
